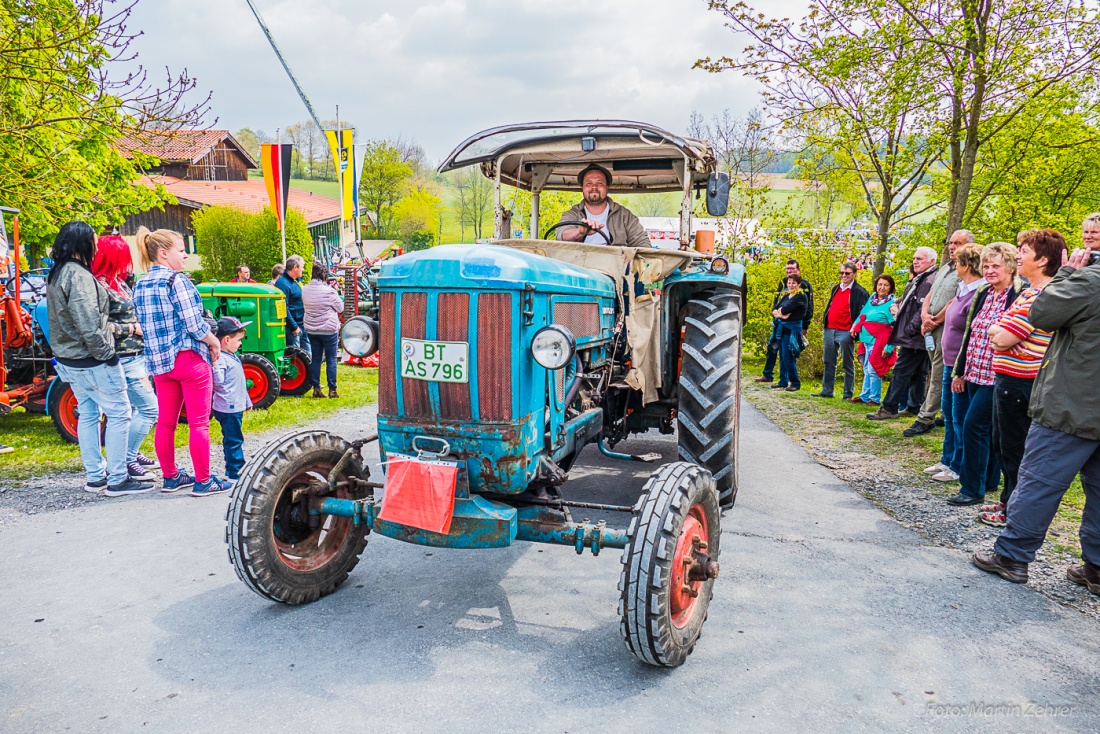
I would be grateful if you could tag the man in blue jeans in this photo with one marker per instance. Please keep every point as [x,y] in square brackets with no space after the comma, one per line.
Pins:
[1064,438]
[295,311]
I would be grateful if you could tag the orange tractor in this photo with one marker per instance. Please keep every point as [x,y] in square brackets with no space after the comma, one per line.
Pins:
[27,377]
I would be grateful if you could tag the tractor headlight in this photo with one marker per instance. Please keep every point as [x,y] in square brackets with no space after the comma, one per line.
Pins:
[359,337]
[719,265]
[553,347]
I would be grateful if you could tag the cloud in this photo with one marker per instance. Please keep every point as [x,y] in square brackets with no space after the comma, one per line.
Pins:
[440,71]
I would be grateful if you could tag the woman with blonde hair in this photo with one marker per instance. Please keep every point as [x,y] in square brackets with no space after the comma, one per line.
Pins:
[972,384]
[180,349]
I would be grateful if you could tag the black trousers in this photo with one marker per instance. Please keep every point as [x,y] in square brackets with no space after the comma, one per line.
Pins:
[909,376]
[1011,423]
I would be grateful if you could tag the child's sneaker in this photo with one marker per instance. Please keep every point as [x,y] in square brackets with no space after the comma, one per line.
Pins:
[178,482]
[213,485]
[146,462]
[95,486]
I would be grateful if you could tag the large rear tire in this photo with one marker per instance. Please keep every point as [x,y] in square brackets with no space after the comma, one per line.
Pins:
[669,564]
[262,379]
[296,381]
[708,409]
[273,547]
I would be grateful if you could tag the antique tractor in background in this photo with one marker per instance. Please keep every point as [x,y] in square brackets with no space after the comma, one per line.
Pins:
[270,367]
[499,363]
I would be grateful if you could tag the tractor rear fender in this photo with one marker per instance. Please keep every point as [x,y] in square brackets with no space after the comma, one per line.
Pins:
[678,290]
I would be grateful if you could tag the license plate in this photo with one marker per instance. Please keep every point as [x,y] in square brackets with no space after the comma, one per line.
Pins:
[435,361]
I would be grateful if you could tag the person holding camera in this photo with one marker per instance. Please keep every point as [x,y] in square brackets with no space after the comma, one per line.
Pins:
[1064,438]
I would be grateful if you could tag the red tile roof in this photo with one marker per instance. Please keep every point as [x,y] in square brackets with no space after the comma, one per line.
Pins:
[181,145]
[250,195]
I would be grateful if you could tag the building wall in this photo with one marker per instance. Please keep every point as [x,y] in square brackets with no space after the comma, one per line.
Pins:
[222,163]
[174,217]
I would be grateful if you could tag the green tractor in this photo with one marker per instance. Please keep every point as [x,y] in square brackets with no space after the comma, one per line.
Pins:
[270,367]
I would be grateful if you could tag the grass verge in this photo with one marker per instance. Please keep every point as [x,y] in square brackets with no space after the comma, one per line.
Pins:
[39,450]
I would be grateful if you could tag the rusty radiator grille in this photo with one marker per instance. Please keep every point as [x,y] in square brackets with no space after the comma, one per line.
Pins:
[453,325]
[414,307]
[494,356]
[582,319]
[387,360]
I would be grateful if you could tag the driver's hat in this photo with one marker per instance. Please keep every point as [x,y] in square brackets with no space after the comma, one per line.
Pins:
[594,167]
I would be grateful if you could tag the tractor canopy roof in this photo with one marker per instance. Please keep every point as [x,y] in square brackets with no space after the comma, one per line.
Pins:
[549,155]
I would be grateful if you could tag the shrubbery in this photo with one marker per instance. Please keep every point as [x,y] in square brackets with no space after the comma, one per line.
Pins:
[820,266]
[419,240]
[227,237]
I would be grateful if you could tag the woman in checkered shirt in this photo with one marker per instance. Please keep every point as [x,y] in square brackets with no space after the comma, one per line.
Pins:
[180,349]
[972,384]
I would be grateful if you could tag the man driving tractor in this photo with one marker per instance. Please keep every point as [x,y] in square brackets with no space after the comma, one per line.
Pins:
[599,212]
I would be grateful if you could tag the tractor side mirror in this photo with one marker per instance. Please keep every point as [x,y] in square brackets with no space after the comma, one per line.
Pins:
[718,194]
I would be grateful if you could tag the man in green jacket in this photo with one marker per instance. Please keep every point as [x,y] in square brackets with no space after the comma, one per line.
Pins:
[1064,438]
[601,214]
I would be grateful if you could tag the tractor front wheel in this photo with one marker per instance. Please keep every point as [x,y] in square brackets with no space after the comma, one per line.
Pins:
[278,548]
[296,381]
[708,410]
[669,564]
[262,379]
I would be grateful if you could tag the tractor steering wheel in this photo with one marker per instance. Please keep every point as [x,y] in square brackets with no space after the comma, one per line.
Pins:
[590,229]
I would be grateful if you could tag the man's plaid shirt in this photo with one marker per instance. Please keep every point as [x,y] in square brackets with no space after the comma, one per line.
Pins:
[170,317]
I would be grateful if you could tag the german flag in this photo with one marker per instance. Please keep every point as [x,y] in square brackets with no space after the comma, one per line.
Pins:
[276,164]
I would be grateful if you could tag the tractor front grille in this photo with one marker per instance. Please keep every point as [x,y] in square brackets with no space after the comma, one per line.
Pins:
[494,356]
[453,325]
[387,367]
[414,307]
[582,319]
[491,359]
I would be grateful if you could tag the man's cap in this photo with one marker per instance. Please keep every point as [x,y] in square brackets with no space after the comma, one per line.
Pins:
[229,325]
[594,167]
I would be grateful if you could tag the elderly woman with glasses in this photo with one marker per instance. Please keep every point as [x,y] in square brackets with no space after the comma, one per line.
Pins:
[973,379]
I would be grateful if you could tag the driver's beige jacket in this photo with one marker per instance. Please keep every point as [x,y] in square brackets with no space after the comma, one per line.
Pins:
[626,230]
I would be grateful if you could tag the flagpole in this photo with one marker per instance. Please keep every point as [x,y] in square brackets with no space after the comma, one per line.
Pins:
[355,193]
[340,176]
[282,224]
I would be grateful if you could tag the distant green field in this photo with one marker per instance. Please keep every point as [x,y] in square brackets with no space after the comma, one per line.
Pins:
[325,188]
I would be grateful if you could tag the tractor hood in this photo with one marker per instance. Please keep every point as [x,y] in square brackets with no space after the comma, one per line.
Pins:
[490,267]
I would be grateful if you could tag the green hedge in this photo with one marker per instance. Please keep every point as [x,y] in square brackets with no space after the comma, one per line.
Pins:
[821,267]
[227,237]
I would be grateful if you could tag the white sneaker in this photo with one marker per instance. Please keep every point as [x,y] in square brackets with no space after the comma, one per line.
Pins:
[936,468]
[946,476]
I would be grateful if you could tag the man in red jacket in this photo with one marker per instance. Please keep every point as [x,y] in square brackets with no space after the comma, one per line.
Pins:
[845,302]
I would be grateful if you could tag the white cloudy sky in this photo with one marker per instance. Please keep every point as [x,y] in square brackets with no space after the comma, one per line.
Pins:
[439,71]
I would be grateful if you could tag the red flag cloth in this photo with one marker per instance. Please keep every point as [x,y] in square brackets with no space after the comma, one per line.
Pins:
[275,161]
[420,494]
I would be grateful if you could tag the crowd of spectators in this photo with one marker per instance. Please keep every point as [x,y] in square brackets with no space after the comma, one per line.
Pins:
[144,354]
[1004,341]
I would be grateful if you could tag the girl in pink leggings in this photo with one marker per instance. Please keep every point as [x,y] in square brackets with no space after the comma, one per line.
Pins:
[179,349]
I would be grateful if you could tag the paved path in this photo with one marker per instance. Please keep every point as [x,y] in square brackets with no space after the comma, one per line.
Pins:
[828,617]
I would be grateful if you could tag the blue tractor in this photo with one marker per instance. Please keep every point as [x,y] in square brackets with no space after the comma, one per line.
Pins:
[499,362]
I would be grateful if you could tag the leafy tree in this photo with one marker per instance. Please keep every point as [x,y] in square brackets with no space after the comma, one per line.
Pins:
[419,211]
[419,240]
[63,107]
[552,204]
[992,61]
[849,78]
[250,141]
[384,181]
[743,150]
[475,200]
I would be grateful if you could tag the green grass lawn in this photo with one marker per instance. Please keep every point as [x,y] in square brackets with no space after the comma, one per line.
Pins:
[39,450]
[324,188]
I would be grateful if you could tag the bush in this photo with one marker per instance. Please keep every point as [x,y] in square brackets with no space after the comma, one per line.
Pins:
[820,266]
[419,240]
[227,237]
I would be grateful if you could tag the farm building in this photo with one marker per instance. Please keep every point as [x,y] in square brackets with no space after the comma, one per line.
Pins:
[207,168]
